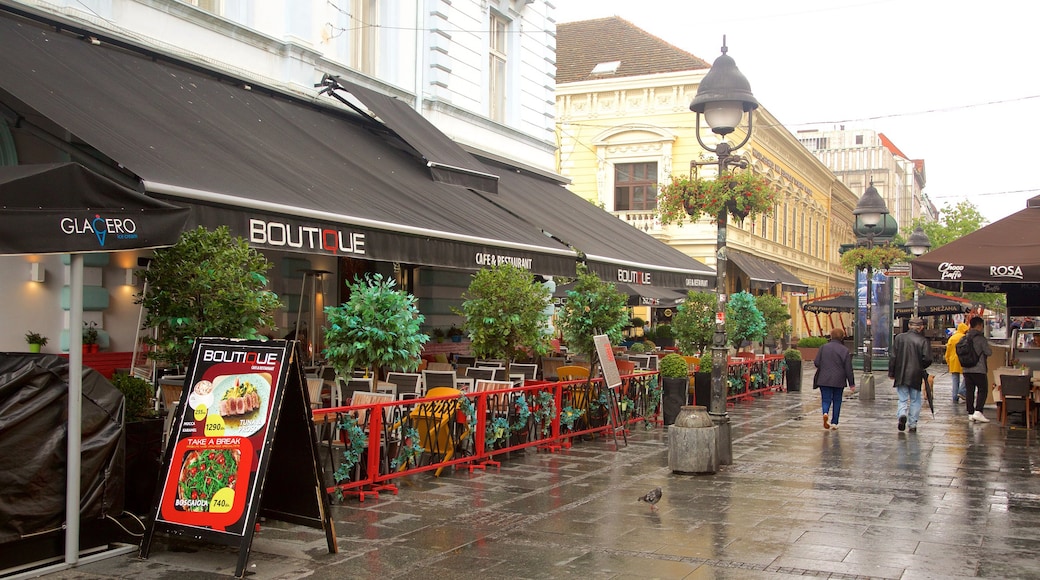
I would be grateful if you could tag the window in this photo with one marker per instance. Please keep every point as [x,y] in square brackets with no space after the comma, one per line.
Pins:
[635,186]
[211,6]
[497,68]
[364,27]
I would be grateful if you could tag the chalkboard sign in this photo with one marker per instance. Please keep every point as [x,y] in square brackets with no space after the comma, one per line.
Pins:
[243,411]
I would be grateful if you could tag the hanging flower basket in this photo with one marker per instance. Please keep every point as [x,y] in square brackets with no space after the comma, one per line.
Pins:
[741,193]
[880,257]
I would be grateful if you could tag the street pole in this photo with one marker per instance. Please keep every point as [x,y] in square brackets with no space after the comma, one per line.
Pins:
[720,350]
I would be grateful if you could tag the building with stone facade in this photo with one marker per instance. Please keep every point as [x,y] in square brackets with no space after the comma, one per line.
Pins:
[624,126]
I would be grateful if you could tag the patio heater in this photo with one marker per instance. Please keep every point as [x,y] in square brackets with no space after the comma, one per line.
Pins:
[869,212]
[724,95]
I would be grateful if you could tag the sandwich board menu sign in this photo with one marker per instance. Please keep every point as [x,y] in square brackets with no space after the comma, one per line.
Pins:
[243,414]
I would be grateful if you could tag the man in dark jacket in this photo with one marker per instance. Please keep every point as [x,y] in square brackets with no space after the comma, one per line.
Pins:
[910,355]
[975,378]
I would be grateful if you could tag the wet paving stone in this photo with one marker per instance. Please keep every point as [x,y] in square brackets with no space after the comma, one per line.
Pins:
[954,500]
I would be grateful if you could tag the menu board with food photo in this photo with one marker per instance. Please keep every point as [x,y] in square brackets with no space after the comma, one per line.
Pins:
[220,435]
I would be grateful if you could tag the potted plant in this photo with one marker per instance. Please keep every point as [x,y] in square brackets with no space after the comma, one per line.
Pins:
[702,381]
[455,333]
[90,337]
[741,193]
[810,345]
[694,322]
[593,307]
[35,340]
[793,359]
[378,326]
[144,434]
[207,284]
[675,380]
[505,313]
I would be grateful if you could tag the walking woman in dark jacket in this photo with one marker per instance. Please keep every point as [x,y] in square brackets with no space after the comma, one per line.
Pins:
[834,371]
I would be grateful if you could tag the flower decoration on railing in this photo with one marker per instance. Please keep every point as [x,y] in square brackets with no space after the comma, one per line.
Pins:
[878,257]
[653,399]
[410,450]
[356,442]
[496,430]
[741,193]
[545,410]
[568,416]
[523,413]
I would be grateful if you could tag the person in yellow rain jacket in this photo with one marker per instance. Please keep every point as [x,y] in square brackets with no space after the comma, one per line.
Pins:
[954,363]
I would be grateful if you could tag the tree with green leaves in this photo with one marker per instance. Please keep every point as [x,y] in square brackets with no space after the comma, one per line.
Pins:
[593,307]
[378,326]
[207,284]
[694,322]
[505,313]
[776,315]
[743,319]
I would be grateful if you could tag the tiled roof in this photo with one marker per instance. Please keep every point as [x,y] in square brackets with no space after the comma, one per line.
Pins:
[580,46]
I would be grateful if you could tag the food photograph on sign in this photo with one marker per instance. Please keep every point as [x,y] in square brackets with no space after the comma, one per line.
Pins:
[221,441]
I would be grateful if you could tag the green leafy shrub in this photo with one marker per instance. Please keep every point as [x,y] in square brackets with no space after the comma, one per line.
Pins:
[505,313]
[812,341]
[377,326]
[673,366]
[137,393]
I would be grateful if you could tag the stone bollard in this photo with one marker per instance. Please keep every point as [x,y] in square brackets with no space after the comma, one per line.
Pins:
[693,442]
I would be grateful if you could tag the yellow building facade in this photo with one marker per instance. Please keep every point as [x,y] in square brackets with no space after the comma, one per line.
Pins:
[620,137]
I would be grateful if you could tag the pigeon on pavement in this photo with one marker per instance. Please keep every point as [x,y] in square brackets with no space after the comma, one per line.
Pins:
[652,497]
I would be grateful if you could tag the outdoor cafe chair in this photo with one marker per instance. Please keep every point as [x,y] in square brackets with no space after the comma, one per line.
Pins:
[530,371]
[572,372]
[1016,397]
[481,373]
[409,385]
[433,379]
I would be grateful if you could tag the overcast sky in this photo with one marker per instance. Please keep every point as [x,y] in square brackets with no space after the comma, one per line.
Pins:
[952,82]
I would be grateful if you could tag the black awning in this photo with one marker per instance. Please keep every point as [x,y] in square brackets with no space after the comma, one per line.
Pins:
[279,166]
[447,160]
[613,249]
[59,208]
[764,274]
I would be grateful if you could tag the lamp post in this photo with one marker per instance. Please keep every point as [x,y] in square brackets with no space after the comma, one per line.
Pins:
[869,212]
[723,96]
[918,243]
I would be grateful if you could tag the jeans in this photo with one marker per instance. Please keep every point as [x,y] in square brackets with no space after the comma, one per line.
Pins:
[978,389]
[912,398]
[832,397]
[958,387]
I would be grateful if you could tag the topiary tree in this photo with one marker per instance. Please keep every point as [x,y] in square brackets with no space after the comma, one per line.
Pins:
[593,307]
[505,313]
[776,316]
[694,323]
[207,284]
[377,326]
[743,319]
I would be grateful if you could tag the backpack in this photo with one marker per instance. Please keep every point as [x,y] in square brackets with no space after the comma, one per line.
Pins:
[965,349]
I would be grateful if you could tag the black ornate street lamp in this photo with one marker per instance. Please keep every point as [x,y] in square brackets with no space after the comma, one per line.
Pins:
[870,212]
[918,243]
[724,95]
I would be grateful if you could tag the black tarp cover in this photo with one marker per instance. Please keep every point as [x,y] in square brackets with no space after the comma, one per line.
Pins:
[33,451]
